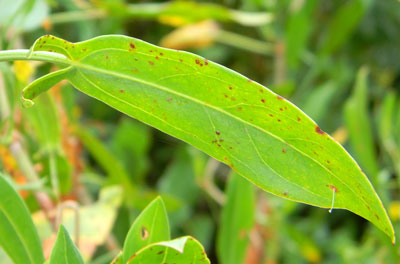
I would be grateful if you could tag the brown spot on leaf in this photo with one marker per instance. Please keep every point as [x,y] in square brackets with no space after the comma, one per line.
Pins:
[284,150]
[144,233]
[132,45]
[263,100]
[271,115]
[121,91]
[206,62]
[217,132]
[160,252]
[161,54]
[197,61]
[319,131]
[298,119]
[279,120]
[151,63]
[230,88]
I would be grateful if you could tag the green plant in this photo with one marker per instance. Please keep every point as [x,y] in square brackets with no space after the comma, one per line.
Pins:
[257,133]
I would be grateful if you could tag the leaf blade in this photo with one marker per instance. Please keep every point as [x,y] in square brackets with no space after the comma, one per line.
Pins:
[224,114]
[18,233]
[149,227]
[64,250]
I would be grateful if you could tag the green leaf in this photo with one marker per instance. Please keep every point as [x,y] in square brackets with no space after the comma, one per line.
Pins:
[236,221]
[18,235]
[64,250]
[259,134]
[149,227]
[343,23]
[181,250]
[359,125]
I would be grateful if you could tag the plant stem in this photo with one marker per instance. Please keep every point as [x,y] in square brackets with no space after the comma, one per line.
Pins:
[243,42]
[22,54]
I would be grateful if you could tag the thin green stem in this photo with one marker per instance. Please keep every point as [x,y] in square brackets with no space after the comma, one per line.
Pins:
[22,54]
[243,42]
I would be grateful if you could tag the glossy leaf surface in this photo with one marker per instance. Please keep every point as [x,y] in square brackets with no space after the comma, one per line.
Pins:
[64,250]
[149,227]
[259,134]
[18,236]
[181,250]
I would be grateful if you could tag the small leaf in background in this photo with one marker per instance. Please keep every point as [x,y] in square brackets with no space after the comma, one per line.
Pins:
[131,143]
[298,30]
[359,126]
[180,250]
[387,122]
[243,124]
[149,227]
[18,236]
[64,250]
[237,219]
[343,23]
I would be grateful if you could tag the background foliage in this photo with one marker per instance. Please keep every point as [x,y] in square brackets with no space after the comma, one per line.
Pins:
[336,60]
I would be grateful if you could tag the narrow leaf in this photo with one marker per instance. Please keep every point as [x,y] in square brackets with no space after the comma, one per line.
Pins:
[64,250]
[236,221]
[18,236]
[180,250]
[259,134]
[149,227]
[359,125]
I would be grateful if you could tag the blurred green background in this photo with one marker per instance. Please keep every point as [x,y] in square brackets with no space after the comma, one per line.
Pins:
[339,61]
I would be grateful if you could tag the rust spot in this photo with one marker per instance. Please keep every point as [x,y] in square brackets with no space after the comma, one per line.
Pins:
[319,131]
[134,255]
[217,132]
[161,54]
[285,194]
[332,187]
[197,61]
[219,145]
[180,60]
[249,80]
[169,99]
[240,108]
[271,115]
[226,96]
[134,70]
[377,217]
[263,100]
[52,37]
[205,62]
[279,120]
[157,58]
[151,63]
[121,91]
[132,45]
[230,88]
[261,90]
[279,97]
[298,119]
[150,50]
[233,99]
[44,42]
[106,57]
[84,49]
[221,140]
[160,252]
[284,150]
[281,109]
[328,161]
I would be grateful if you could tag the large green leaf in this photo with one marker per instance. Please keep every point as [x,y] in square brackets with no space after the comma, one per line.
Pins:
[181,250]
[64,250]
[149,227]
[18,236]
[236,221]
[259,134]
